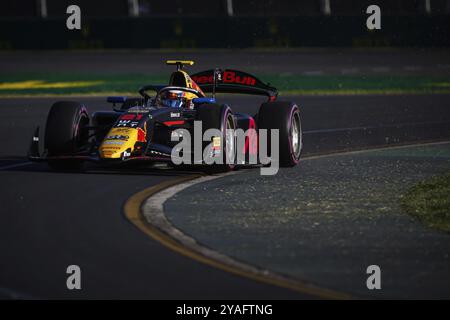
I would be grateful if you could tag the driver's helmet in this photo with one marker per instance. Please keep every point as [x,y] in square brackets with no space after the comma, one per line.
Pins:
[176,99]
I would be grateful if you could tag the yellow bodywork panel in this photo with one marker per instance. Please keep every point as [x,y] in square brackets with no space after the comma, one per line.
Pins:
[117,141]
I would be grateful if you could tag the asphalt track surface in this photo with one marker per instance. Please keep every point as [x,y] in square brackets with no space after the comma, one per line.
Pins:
[52,220]
[324,221]
[333,61]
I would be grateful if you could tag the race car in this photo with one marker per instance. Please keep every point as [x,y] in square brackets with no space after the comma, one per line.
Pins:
[146,129]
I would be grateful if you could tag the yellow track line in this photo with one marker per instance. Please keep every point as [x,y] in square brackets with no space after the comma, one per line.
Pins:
[133,212]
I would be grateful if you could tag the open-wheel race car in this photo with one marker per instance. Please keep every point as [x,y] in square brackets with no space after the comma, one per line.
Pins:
[146,129]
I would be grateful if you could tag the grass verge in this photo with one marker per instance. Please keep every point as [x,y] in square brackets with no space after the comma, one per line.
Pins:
[429,201]
[34,84]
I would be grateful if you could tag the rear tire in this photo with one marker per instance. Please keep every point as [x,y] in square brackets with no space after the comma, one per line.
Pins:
[214,116]
[284,116]
[66,132]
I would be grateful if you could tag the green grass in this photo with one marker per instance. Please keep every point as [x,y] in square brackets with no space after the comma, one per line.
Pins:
[23,84]
[429,201]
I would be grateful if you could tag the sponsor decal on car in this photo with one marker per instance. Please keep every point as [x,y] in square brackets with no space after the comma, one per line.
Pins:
[231,77]
[215,150]
[131,116]
[141,135]
[111,148]
[159,153]
[123,123]
[127,117]
[173,123]
[117,137]
[175,114]
[227,77]
[138,109]
[203,79]
[124,131]
[127,123]
[176,135]
[116,142]
[126,154]
[216,143]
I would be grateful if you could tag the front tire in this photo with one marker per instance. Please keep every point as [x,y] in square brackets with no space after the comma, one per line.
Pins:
[284,116]
[214,116]
[66,132]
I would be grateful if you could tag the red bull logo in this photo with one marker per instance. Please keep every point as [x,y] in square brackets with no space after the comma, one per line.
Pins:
[228,77]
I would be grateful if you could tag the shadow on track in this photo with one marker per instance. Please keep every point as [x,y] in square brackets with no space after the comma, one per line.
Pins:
[22,164]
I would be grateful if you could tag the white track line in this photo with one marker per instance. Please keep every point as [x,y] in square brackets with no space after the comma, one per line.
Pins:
[406,124]
[374,149]
[16,165]
[12,294]
[153,212]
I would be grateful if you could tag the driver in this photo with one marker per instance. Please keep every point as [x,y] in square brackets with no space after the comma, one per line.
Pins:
[176,99]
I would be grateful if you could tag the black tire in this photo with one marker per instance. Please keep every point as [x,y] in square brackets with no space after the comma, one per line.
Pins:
[284,116]
[66,131]
[215,116]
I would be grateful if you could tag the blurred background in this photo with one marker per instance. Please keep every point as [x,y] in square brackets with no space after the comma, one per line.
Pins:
[41,24]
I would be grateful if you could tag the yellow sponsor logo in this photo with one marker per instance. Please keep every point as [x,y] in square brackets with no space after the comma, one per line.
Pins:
[113,149]
[216,142]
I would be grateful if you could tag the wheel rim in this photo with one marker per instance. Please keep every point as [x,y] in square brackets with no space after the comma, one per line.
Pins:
[296,135]
[229,140]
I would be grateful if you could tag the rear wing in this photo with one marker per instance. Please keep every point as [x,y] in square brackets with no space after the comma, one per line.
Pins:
[233,81]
